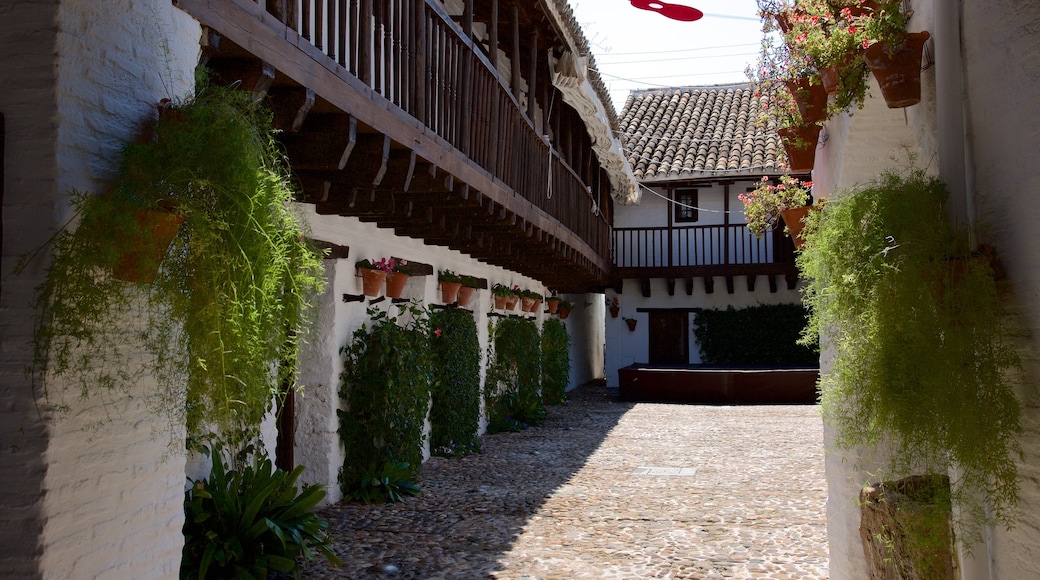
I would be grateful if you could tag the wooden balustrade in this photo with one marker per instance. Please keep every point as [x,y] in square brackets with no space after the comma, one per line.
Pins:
[412,53]
[715,245]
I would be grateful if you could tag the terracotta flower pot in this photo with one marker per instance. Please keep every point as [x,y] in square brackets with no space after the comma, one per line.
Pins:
[553,304]
[511,302]
[526,304]
[811,98]
[140,251]
[631,325]
[395,284]
[793,218]
[564,312]
[372,281]
[800,146]
[501,302]
[830,78]
[450,291]
[465,294]
[614,310]
[897,68]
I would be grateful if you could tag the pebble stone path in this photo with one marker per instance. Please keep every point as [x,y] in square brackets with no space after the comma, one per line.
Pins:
[608,490]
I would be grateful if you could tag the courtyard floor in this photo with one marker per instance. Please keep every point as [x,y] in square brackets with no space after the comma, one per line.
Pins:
[608,490]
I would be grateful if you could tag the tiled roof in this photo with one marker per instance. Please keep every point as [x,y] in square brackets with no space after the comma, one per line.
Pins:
[696,133]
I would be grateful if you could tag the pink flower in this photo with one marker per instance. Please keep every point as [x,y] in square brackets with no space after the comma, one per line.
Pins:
[866,43]
[852,30]
[437,333]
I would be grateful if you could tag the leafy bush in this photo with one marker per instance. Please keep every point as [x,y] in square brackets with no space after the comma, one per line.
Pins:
[513,383]
[757,335]
[389,483]
[455,415]
[386,384]
[923,364]
[556,361]
[249,523]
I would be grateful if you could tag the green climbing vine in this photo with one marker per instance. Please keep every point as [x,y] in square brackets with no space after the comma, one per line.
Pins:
[556,361]
[455,414]
[512,389]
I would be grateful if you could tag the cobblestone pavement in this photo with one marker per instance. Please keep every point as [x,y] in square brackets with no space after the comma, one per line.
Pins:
[608,490]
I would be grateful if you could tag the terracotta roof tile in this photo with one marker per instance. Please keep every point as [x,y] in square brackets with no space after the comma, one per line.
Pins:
[697,132]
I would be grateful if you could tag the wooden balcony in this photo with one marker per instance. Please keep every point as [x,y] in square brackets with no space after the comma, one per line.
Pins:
[392,113]
[702,252]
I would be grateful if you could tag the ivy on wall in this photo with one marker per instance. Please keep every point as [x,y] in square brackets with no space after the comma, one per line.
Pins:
[385,391]
[455,414]
[513,386]
[556,361]
[757,335]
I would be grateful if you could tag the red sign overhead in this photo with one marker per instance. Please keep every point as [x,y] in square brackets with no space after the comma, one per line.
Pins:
[673,11]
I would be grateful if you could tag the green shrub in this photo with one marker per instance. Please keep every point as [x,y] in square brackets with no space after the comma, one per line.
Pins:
[513,383]
[455,415]
[556,361]
[389,483]
[250,523]
[385,390]
[923,364]
[756,335]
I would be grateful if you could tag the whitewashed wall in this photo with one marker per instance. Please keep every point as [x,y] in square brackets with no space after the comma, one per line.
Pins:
[993,122]
[318,445]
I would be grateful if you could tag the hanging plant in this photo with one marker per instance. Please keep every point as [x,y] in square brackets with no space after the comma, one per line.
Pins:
[221,322]
[922,363]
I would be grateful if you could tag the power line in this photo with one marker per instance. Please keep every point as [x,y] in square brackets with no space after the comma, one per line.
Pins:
[712,56]
[679,50]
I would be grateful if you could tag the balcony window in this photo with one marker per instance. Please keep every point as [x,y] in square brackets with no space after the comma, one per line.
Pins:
[685,205]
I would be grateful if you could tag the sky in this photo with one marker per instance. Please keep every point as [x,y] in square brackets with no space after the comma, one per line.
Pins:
[640,49]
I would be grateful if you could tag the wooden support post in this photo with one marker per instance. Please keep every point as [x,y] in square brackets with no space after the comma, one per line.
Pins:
[751,282]
[689,286]
[709,285]
[671,286]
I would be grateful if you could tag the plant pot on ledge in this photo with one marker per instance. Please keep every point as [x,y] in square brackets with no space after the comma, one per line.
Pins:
[511,302]
[501,302]
[897,68]
[372,281]
[800,146]
[450,292]
[395,283]
[465,295]
[553,303]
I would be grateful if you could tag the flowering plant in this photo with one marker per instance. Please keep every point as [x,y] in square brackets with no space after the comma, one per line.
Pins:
[762,206]
[613,302]
[449,276]
[503,290]
[384,264]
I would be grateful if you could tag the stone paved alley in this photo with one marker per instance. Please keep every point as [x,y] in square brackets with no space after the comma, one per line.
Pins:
[607,490]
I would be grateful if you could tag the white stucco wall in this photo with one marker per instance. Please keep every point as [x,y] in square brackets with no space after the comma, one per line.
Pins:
[318,447]
[114,492]
[989,165]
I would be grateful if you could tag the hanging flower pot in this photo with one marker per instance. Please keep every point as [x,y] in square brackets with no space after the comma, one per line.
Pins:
[512,301]
[395,284]
[465,294]
[564,312]
[897,67]
[830,79]
[800,146]
[501,302]
[794,219]
[372,281]
[811,98]
[631,322]
[553,303]
[450,291]
[614,310]
[527,304]
[140,251]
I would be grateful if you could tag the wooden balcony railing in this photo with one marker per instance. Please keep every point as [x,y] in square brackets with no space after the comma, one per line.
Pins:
[412,53]
[699,246]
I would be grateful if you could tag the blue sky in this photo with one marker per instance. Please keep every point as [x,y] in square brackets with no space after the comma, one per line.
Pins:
[638,49]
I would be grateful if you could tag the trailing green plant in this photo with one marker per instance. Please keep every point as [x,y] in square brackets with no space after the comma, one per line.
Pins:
[455,354]
[252,522]
[470,281]
[556,362]
[512,388]
[766,334]
[501,290]
[449,276]
[922,364]
[220,326]
[385,391]
[389,483]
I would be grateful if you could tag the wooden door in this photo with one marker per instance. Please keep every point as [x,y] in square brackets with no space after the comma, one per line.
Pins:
[669,338]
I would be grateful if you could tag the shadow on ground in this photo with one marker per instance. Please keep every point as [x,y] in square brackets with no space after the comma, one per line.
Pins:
[472,508]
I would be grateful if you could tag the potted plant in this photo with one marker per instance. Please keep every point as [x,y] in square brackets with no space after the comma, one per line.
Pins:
[530,301]
[502,294]
[631,322]
[397,278]
[565,309]
[514,297]
[231,301]
[373,274]
[469,287]
[450,285]
[772,201]
[553,303]
[614,305]
[906,304]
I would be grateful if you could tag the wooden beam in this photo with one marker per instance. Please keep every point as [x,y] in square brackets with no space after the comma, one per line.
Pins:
[709,285]
[751,282]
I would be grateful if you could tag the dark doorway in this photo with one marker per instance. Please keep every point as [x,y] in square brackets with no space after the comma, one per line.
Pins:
[669,337]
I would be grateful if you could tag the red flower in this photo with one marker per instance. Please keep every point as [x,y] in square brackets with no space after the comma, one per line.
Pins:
[437,333]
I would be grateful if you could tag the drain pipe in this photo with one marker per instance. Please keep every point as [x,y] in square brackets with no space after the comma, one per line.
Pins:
[957,167]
